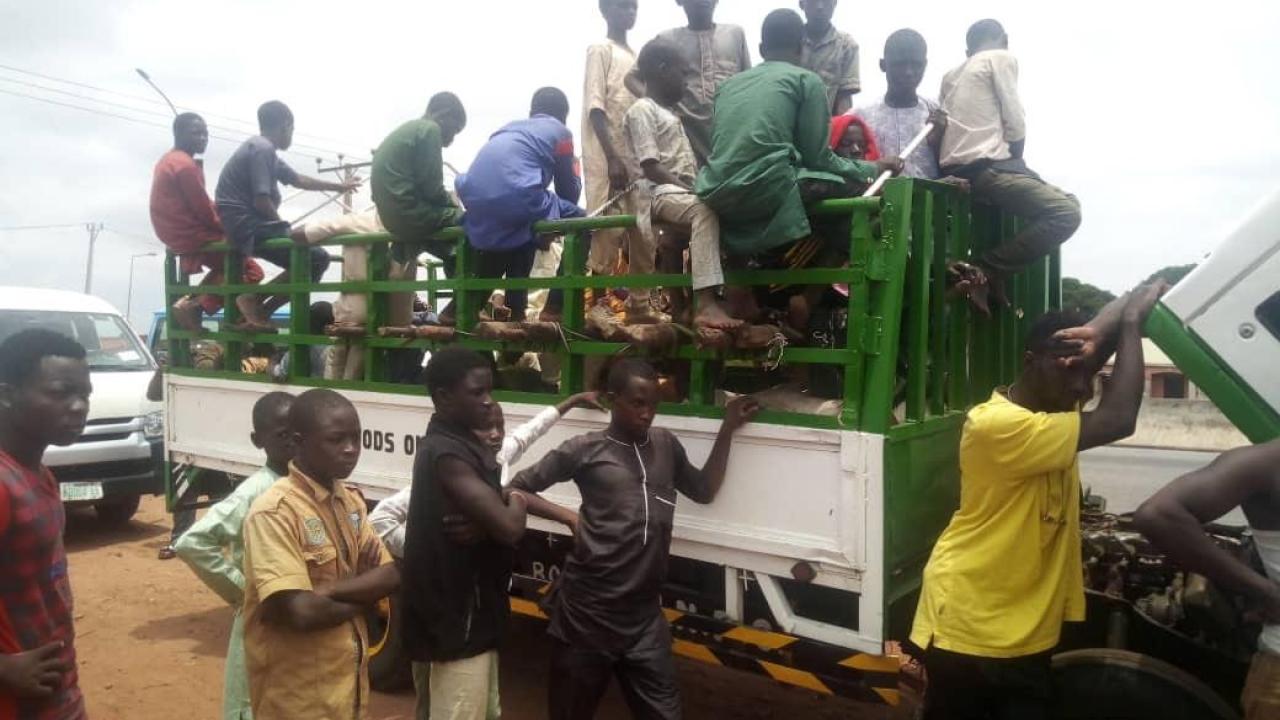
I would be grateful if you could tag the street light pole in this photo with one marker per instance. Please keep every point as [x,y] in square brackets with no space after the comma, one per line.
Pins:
[94,229]
[128,305]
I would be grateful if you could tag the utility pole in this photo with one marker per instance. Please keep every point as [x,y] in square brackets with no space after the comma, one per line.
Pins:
[348,198]
[94,229]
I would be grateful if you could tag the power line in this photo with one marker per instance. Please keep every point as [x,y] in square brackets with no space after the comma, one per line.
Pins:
[140,121]
[151,241]
[153,101]
[15,228]
[146,111]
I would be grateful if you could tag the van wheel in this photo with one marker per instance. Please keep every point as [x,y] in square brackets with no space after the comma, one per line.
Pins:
[389,667]
[1101,683]
[117,512]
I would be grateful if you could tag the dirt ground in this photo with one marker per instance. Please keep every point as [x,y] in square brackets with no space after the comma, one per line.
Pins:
[151,641]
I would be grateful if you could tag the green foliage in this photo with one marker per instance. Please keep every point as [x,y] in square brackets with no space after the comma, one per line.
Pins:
[1083,297]
[1171,274]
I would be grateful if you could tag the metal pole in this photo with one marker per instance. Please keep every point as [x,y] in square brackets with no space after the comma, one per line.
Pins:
[128,303]
[94,229]
[155,87]
[906,152]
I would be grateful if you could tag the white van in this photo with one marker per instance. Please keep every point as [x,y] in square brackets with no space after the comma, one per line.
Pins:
[120,456]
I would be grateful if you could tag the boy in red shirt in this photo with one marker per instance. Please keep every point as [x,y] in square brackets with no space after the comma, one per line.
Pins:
[185,220]
[44,400]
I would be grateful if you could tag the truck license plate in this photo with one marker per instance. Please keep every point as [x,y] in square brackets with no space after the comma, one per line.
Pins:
[80,491]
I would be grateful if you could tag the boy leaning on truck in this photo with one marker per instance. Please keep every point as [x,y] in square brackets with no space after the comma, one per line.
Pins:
[391,516]
[459,542]
[606,613]
[214,546]
[44,400]
[1006,572]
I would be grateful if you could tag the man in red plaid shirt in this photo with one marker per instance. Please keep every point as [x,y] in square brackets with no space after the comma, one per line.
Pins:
[44,400]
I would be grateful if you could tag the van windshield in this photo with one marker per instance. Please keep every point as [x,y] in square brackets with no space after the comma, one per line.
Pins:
[107,340]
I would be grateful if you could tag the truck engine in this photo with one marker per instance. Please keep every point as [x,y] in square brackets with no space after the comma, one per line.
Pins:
[1121,563]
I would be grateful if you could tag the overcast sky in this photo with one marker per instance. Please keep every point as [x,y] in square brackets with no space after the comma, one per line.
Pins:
[1163,122]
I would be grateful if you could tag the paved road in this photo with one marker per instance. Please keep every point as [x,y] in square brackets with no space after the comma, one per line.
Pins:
[1126,476]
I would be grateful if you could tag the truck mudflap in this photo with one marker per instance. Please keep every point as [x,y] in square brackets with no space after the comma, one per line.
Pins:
[815,666]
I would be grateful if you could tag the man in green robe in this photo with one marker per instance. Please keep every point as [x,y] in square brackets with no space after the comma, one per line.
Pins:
[771,129]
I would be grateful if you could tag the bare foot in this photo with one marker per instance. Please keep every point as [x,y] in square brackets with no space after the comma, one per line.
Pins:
[641,312]
[968,281]
[186,313]
[251,311]
[714,317]
[249,326]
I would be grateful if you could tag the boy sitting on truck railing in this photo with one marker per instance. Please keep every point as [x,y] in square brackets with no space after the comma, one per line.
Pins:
[186,220]
[772,125]
[407,182]
[658,142]
[983,143]
[248,198]
[505,191]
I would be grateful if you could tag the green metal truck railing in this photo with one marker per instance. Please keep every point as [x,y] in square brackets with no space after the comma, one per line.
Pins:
[906,344]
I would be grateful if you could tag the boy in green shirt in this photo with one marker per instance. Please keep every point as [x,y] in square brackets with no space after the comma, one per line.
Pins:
[407,180]
[214,546]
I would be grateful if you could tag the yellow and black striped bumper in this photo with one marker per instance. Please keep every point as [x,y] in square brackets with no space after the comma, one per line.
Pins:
[807,664]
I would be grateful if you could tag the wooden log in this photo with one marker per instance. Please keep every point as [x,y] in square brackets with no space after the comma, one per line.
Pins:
[345,330]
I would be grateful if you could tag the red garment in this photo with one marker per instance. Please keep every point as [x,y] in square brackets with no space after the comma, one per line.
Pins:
[841,123]
[182,214]
[250,273]
[35,597]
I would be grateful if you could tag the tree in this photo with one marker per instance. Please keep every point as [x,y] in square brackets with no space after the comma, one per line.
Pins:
[1083,298]
[1171,274]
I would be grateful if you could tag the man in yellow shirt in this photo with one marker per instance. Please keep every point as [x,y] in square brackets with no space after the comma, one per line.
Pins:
[1006,572]
[312,565]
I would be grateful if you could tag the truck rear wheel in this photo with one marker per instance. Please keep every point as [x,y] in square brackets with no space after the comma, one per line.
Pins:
[1098,683]
[117,512]
[389,667]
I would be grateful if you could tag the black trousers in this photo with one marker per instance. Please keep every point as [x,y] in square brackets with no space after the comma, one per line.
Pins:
[965,687]
[515,263]
[579,678]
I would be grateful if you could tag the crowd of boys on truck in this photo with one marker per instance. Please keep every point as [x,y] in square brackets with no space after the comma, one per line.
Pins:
[688,134]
